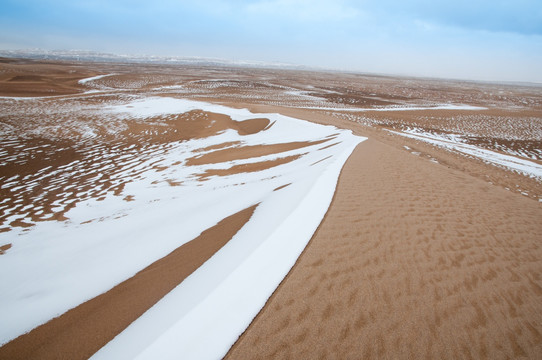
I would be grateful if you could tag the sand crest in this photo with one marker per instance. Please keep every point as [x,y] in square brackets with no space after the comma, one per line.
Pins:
[413,260]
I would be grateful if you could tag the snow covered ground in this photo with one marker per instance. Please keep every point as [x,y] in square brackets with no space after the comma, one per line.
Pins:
[56,266]
[455,143]
[396,108]
[90,79]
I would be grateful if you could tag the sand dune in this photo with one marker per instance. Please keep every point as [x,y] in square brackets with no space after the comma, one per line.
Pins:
[146,205]
[21,77]
[413,260]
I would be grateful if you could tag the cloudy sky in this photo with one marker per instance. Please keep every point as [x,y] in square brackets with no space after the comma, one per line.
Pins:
[468,39]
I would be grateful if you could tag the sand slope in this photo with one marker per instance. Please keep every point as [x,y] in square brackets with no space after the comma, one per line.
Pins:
[413,260]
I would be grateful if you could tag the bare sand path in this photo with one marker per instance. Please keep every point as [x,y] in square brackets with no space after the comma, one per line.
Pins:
[82,331]
[413,260]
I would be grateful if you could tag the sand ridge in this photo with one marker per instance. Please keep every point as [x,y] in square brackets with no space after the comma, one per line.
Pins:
[21,77]
[406,265]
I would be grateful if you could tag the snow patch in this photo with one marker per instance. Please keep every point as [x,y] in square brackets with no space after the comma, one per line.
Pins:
[397,108]
[454,142]
[89,79]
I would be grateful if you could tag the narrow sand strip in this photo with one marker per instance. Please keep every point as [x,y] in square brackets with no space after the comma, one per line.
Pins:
[82,331]
[413,260]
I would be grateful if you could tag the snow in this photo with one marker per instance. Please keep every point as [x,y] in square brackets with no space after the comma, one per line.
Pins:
[303,94]
[454,142]
[89,79]
[56,266]
[397,108]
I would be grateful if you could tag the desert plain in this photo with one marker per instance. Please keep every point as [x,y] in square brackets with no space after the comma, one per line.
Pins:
[185,211]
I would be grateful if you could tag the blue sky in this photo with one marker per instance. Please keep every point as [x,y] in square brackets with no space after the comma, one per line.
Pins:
[476,39]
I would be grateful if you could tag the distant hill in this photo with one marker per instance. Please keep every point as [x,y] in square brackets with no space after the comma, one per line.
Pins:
[85,55]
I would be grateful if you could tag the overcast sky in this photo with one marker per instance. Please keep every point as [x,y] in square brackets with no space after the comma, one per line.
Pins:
[469,39]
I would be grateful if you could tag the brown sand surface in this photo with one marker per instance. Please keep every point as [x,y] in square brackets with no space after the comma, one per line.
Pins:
[247,152]
[251,167]
[22,77]
[194,124]
[80,332]
[4,248]
[413,260]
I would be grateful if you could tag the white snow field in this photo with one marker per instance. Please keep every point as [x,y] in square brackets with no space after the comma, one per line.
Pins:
[454,143]
[397,108]
[56,266]
[90,79]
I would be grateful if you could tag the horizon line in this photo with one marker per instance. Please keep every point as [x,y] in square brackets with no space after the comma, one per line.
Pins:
[85,54]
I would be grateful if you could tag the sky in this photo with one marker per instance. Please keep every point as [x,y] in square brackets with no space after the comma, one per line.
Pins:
[491,40]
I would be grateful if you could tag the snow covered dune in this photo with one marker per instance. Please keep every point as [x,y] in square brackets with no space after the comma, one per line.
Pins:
[180,189]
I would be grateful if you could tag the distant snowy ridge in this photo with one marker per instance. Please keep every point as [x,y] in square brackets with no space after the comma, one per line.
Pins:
[89,79]
[84,55]
[397,108]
